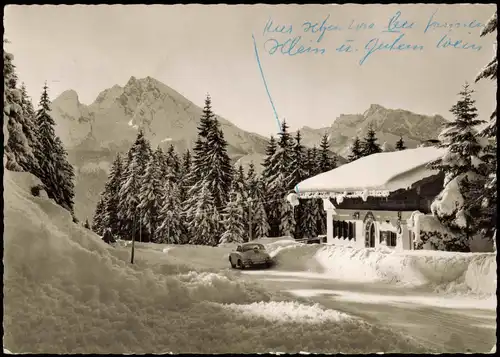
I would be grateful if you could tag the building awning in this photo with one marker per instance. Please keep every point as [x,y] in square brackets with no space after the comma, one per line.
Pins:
[374,175]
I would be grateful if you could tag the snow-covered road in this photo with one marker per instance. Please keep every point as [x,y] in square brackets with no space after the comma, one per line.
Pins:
[447,323]
[452,320]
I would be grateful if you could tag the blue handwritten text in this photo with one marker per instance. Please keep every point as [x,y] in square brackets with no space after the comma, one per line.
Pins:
[446,42]
[432,24]
[287,29]
[376,44]
[360,26]
[290,47]
[321,28]
[346,47]
[396,25]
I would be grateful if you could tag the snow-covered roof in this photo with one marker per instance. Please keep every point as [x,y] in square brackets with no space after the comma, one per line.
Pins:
[384,172]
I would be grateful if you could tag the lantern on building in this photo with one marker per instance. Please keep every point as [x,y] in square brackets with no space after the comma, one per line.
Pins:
[293,199]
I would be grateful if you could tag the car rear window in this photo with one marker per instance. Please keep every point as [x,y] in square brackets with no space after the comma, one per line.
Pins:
[253,246]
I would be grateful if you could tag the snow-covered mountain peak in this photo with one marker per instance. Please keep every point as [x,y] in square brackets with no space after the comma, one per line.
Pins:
[69,94]
[374,108]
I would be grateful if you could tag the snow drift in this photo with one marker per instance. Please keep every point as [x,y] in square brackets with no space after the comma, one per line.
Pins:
[476,272]
[289,312]
[66,291]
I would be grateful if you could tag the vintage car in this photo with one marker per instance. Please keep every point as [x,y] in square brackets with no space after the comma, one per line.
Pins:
[249,255]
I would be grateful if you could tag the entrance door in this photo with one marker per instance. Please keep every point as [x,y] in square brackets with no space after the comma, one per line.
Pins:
[370,234]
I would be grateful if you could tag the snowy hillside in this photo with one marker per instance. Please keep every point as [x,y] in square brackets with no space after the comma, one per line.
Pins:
[65,291]
[389,124]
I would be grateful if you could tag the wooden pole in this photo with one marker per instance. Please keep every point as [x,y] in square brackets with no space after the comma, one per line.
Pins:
[168,231]
[250,233]
[133,242]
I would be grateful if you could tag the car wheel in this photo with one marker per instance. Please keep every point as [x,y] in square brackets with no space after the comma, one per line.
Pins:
[239,265]
[232,264]
[269,264]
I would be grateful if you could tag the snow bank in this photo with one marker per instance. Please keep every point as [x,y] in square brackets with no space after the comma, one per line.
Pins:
[475,271]
[63,283]
[329,326]
[288,311]
[481,274]
[295,256]
[276,246]
[66,291]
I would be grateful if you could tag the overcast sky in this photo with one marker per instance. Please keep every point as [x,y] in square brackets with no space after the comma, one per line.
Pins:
[196,49]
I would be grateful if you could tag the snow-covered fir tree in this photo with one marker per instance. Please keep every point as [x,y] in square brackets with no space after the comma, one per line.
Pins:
[170,229]
[141,154]
[287,223]
[239,186]
[260,224]
[256,192]
[204,224]
[461,166]
[161,162]
[128,212]
[185,170]
[310,215]
[400,145]
[490,70]
[183,188]
[150,196]
[142,147]
[29,127]
[55,172]
[314,214]
[282,182]
[17,149]
[268,173]
[234,218]
[219,172]
[199,164]
[125,222]
[356,150]
[308,222]
[65,175]
[298,160]
[298,173]
[239,183]
[97,225]
[369,144]
[326,160]
[489,156]
[211,166]
[251,181]
[174,162]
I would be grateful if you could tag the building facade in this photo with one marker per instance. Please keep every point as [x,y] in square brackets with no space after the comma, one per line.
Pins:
[378,200]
